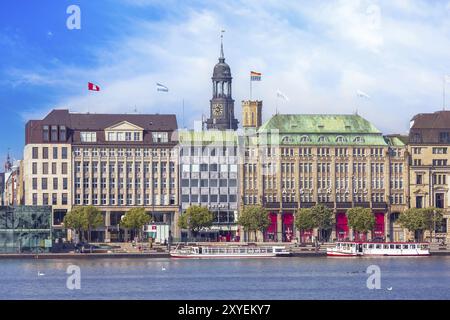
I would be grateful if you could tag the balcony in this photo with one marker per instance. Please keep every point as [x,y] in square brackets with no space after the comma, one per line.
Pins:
[343,205]
[272,205]
[290,205]
[307,204]
[380,205]
[362,204]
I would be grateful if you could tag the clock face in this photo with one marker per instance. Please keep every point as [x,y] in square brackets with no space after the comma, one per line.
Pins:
[217,109]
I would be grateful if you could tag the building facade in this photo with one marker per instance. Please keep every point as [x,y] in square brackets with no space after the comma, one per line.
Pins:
[112,161]
[209,178]
[341,161]
[25,229]
[429,182]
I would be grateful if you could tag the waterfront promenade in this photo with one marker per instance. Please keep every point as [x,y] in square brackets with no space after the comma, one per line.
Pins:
[127,251]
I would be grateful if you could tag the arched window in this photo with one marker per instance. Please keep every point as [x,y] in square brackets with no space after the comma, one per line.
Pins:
[358,140]
[305,139]
[323,139]
[340,139]
[287,139]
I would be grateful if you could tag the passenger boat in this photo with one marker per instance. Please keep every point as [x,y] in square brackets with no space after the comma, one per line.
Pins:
[355,249]
[213,252]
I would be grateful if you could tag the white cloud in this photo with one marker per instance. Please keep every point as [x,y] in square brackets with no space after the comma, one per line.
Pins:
[317,53]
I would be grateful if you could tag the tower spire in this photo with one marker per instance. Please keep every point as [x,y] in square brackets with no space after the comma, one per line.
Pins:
[222,56]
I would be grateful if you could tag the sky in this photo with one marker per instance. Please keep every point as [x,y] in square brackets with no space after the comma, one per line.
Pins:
[318,54]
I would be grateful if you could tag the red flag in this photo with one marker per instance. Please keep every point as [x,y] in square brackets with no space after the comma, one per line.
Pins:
[93,87]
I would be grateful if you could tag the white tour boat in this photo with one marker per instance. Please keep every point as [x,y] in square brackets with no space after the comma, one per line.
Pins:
[212,252]
[355,249]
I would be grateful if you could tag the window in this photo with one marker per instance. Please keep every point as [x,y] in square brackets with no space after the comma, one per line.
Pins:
[439,162]
[55,152]
[88,136]
[55,183]
[419,178]
[54,199]
[35,152]
[340,139]
[62,133]
[35,183]
[64,183]
[45,133]
[54,133]
[160,137]
[45,168]
[127,136]
[44,153]
[64,168]
[34,199]
[444,137]
[44,184]
[34,168]
[419,201]
[416,137]
[439,200]
[358,140]
[112,136]
[137,136]
[439,150]
[53,167]
[305,139]
[64,199]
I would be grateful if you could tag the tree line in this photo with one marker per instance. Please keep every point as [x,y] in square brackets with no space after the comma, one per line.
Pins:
[255,219]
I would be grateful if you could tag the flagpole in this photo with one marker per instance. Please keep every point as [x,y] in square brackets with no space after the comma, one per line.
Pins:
[444,80]
[250,88]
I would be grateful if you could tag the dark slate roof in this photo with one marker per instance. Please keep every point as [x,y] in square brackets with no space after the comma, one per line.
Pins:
[436,120]
[77,122]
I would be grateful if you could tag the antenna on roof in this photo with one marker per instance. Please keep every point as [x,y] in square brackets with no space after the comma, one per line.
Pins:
[135,109]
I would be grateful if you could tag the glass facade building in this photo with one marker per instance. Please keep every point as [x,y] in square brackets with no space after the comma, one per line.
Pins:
[25,229]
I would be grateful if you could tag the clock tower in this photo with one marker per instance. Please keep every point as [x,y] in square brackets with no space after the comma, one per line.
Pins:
[222,104]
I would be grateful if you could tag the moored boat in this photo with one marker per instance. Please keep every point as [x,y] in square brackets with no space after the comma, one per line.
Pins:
[357,249]
[214,252]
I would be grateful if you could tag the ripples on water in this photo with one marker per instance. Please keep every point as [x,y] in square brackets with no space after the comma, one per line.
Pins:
[282,278]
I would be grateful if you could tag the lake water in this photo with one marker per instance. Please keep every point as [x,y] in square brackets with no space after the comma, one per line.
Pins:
[279,278]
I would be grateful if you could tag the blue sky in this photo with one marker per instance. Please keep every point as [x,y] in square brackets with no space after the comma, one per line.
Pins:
[317,53]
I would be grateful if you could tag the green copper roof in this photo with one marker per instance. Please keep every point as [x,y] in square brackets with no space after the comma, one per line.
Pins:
[206,137]
[319,123]
[396,141]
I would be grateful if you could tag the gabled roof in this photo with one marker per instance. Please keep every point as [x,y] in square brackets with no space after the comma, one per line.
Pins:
[319,123]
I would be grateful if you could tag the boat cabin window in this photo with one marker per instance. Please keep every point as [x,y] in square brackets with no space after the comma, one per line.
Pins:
[370,246]
[397,246]
[424,246]
[391,246]
[413,246]
[364,246]
[405,246]
[378,246]
[385,246]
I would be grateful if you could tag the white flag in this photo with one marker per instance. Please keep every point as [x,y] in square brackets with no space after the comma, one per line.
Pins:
[362,94]
[160,87]
[282,95]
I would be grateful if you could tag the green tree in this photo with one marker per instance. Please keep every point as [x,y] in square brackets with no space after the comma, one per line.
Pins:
[323,218]
[135,219]
[304,220]
[74,220]
[195,219]
[433,218]
[415,220]
[419,220]
[93,219]
[254,218]
[361,219]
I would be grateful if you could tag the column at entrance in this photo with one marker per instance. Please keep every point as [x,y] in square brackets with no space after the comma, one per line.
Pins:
[279,227]
[107,225]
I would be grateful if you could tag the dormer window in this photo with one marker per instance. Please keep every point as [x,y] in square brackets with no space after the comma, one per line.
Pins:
[305,139]
[124,131]
[287,139]
[54,136]
[358,140]
[62,133]
[323,139]
[88,136]
[160,137]
[45,133]
[341,139]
